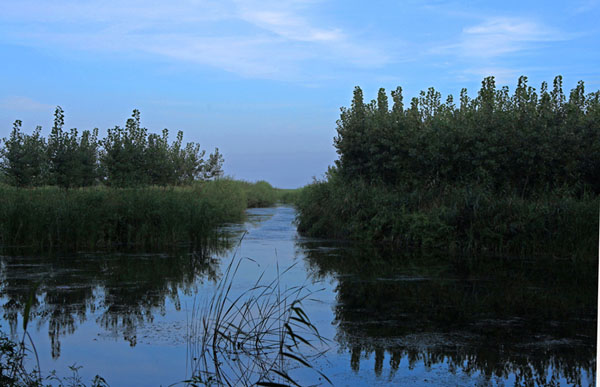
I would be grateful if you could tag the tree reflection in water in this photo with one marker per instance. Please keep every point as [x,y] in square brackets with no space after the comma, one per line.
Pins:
[126,290]
[532,320]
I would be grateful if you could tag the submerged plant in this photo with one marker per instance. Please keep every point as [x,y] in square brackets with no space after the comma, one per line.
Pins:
[256,338]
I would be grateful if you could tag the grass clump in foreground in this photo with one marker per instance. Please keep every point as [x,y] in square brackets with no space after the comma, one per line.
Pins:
[106,218]
[256,338]
[506,174]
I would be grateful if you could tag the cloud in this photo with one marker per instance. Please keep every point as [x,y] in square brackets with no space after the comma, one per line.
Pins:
[263,39]
[496,47]
[499,37]
[284,19]
[18,103]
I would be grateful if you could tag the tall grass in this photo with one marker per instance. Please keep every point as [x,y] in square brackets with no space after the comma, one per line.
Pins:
[104,218]
[288,196]
[255,338]
[259,194]
[459,219]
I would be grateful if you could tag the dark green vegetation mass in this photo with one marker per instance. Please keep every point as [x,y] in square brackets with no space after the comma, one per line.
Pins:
[141,218]
[130,189]
[503,173]
[126,157]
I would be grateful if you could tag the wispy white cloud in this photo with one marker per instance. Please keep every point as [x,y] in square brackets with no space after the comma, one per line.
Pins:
[20,103]
[495,46]
[285,20]
[499,37]
[264,39]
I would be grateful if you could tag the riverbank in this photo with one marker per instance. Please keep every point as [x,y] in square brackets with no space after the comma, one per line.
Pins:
[453,219]
[497,174]
[103,218]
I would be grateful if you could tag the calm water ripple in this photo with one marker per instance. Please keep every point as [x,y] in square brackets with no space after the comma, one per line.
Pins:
[392,318]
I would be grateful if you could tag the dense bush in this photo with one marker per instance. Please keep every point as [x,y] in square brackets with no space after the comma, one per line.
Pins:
[508,174]
[126,157]
[524,143]
[259,194]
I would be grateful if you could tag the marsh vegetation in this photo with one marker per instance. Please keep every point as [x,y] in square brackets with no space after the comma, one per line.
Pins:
[126,245]
[498,173]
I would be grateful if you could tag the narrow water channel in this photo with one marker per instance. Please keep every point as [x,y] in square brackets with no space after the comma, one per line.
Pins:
[391,318]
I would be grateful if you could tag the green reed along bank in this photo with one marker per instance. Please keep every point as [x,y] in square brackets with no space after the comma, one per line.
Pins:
[509,174]
[131,188]
[100,217]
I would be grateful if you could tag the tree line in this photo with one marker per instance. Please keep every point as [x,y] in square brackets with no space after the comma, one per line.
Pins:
[522,143]
[127,157]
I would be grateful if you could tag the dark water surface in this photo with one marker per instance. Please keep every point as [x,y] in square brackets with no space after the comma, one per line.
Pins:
[392,319]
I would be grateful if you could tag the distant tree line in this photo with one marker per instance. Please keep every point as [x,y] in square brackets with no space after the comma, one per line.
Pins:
[525,143]
[126,157]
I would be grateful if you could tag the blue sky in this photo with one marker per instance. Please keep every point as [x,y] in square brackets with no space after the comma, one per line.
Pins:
[264,80]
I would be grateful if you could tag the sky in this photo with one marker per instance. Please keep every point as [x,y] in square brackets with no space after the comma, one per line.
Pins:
[264,80]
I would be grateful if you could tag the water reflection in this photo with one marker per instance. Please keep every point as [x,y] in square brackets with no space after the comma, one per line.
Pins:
[531,322]
[122,291]
[511,321]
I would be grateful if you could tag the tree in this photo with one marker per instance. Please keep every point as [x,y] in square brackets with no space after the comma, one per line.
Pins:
[24,157]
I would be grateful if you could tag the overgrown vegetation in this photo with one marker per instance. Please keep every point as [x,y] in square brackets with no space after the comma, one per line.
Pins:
[129,189]
[126,157]
[147,218]
[107,218]
[502,173]
[288,196]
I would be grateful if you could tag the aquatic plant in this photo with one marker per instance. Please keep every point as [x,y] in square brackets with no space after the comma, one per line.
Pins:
[255,338]
[95,218]
[13,371]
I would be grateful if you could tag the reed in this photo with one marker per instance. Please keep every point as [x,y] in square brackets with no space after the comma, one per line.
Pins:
[256,338]
[452,218]
[94,218]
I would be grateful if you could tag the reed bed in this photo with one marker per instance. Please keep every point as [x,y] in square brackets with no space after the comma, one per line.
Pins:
[93,218]
[452,219]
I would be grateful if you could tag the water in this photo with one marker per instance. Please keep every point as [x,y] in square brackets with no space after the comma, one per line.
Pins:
[390,318]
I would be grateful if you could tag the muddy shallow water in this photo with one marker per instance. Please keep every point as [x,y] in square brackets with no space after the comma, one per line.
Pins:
[390,318]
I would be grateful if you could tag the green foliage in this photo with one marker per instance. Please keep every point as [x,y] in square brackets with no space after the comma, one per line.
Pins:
[522,143]
[253,339]
[450,219]
[23,157]
[508,174]
[103,218]
[288,196]
[131,157]
[72,160]
[259,194]
[13,371]
[126,157]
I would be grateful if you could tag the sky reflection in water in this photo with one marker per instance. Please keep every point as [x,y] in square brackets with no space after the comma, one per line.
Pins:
[392,318]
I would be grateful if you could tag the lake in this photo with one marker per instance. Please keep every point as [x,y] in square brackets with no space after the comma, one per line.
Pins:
[389,317]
